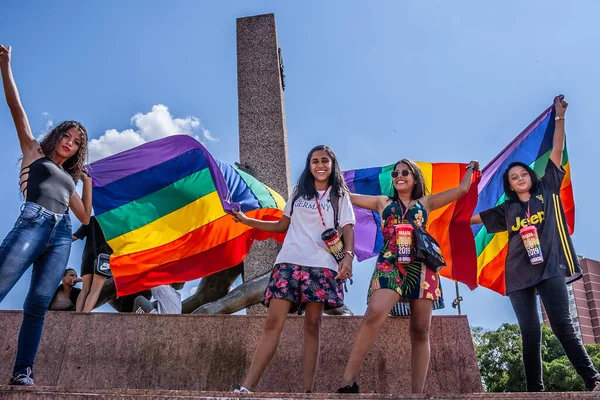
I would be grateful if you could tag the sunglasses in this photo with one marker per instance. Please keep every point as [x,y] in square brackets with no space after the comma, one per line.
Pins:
[396,173]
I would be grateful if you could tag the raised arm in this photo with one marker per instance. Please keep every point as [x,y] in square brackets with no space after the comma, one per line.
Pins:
[29,146]
[558,141]
[82,206]
[438,200]
[280,226]
[375,203]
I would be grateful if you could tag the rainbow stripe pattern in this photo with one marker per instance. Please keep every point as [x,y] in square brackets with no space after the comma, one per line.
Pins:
[448,225]
[533,147]
[163,207]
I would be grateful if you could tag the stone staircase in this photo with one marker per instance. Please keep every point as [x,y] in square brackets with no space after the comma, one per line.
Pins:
[58,393]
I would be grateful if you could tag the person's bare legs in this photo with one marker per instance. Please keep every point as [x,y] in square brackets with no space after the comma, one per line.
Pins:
[265,350]
[310,355]
[380,304]
[420,324]
[92,297]
[85,291]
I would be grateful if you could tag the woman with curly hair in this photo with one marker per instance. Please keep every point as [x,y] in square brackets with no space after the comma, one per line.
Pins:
[42,234]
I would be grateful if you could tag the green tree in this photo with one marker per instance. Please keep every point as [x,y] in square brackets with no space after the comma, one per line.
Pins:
[499,355]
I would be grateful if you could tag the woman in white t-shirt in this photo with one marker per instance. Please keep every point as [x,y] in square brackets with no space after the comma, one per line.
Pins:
[306,275]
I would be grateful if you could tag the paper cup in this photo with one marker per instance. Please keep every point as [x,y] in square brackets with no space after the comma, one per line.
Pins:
[531,241]
[334,243]
[404,242]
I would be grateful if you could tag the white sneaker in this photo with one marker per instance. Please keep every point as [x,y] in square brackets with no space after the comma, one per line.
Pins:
[597,387]
[241,389]
[22,379]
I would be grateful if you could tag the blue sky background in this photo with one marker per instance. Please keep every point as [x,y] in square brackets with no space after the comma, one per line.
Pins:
[376,80]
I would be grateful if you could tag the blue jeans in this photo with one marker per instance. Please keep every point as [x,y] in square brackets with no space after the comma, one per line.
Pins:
[41,238]
[553,293]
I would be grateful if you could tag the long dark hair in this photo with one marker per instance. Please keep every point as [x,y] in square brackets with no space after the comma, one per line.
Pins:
[306,183]
[419,190]
[511,194]
[74,165]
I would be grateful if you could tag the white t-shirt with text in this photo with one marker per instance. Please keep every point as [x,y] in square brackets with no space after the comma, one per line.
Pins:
[303,244]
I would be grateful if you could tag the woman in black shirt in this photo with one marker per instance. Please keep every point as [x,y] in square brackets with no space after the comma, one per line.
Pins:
[534,217]
[95,244]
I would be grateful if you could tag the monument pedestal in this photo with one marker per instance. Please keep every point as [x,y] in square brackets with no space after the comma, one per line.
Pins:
[263,133]
[213,353]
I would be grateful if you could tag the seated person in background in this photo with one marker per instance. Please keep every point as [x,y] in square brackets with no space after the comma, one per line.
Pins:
[168,300]
[66,294]
[95,245]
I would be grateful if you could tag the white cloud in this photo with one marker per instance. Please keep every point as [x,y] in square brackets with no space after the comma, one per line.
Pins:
[49,124]
[46,114]
[156,124]
[209,136]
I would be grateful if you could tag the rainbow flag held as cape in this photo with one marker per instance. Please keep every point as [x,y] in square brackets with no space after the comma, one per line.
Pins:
[533,147]
[163,207]
[448,225]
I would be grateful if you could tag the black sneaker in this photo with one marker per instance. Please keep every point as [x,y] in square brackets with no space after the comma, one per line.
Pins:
[25,379]
[349,389]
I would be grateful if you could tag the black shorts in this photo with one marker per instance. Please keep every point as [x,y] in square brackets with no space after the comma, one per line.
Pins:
[87,266]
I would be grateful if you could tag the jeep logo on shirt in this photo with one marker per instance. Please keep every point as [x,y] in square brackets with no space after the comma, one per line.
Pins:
[536,218]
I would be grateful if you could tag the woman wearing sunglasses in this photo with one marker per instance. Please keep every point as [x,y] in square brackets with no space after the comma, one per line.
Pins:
[393,281]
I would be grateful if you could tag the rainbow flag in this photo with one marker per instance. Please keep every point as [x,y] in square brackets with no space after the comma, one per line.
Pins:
[533,147]
[448,225]
[163,207]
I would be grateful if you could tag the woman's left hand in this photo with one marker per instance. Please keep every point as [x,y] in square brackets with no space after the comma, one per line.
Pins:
[85,176]
[560,105]
[345,268]
[474,164]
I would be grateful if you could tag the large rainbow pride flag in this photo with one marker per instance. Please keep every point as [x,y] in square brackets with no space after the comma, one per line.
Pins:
[533,147]
[163,209]
[449,225]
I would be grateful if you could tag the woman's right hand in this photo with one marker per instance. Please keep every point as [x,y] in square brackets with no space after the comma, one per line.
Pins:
[4,56]
[239,216]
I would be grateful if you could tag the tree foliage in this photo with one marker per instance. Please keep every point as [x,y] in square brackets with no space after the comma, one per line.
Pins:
[499,354]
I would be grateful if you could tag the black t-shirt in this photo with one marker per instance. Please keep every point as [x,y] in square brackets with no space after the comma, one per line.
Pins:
[547,215]
[95,243]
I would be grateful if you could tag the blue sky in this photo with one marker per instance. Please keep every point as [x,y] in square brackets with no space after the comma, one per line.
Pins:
[376,80]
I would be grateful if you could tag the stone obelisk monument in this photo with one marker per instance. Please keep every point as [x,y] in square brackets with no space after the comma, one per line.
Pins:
[262,130]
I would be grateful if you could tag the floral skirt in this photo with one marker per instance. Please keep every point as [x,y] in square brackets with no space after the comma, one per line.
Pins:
[301,285]
[410,281]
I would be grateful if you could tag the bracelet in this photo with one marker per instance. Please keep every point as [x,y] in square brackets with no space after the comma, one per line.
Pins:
[559,117]
[350,252]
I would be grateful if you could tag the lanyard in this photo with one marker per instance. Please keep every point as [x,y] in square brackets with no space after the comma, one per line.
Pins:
[319,207]
[407,208]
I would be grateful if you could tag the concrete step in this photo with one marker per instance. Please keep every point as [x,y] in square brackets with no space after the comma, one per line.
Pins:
[63,393]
